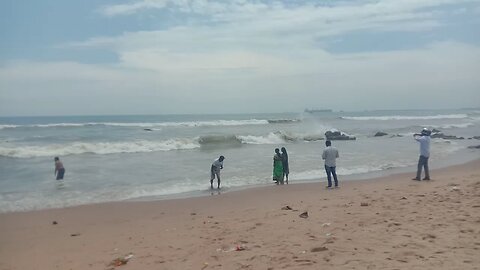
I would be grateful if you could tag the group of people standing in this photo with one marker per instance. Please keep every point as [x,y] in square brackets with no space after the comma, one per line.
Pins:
[280,166]
[330,154]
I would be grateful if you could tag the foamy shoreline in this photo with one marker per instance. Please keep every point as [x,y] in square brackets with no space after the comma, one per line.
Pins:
[320,179]
[387,222]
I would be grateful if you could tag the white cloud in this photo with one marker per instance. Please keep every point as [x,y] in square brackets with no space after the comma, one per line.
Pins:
[267,26]
[239,55]
[125,9]
[229,82]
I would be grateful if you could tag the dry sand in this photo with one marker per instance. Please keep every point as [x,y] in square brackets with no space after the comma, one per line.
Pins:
[386,223]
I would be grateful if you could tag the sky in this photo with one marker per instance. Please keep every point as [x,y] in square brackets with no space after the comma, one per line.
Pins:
[213,56]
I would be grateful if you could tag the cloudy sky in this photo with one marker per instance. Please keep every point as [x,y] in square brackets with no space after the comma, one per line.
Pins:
[216,56]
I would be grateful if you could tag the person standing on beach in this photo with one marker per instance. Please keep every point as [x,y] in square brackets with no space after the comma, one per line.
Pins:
[59,169]
[217,165]
[424,140]
[330,155]
[286,170]
[277,167]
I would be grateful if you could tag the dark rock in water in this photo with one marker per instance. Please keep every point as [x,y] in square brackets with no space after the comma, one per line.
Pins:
[474,147]
[147,129]
[380,134]
[435,130]
[476,137]
[440,135]
[338,136]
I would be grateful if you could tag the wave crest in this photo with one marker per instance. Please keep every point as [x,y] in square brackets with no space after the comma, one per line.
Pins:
[219,139]
[144,146]
[402,117]
[149,125]
[101,148]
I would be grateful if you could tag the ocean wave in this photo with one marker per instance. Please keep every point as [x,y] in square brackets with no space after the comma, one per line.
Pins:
[271,138]
[283,121]
[142,146]
[447,126]
[403,117]
[8,126]
[280,137]
[101,148]
[150,125]
[219,139]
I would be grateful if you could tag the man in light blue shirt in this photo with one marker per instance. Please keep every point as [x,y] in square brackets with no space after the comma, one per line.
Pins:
[424,140]
[330,155]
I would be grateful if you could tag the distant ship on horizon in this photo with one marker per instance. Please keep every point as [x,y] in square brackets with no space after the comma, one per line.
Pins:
[317,110]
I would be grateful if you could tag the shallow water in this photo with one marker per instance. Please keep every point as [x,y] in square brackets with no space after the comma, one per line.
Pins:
[113,158]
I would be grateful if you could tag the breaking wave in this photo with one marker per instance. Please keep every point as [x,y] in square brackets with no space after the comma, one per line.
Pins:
[219,139]
[101,148]
[447,126]
[160,124]
[402,117]
[144,146]
[283,121]
[8,126]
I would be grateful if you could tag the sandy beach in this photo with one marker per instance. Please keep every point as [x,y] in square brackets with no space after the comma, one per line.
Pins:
[386,223]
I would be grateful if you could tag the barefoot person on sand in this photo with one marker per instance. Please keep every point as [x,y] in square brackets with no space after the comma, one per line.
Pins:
[277,167]
[59,169]
[330,154]
[424,140]
[217,165]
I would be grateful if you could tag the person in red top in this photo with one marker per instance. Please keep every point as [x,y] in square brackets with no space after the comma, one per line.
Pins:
[59,169]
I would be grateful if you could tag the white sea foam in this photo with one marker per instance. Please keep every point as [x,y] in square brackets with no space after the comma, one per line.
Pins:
[447,126]
[403,117]
[101,148]
[316,174]
[8,126]
[271,138]
[148,125]
[8,149]
[279,137]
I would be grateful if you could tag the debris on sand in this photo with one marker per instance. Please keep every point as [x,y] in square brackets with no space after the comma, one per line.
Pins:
[120,261]
[318,249]
[304,215]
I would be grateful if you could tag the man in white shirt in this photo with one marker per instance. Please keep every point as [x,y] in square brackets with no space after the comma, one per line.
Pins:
[424,140]
[217,165]
[330,154]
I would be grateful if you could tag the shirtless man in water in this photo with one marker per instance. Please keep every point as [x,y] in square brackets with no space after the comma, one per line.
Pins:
[59,169]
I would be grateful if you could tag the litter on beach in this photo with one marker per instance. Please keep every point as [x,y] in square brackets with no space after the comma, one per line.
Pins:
[120,261]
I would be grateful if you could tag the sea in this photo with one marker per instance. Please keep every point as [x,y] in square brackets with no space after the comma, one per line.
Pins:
[154,157]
